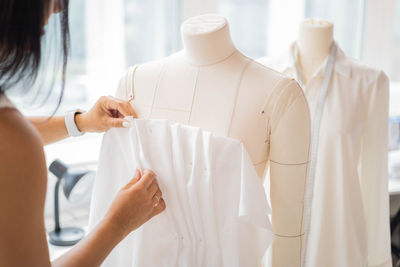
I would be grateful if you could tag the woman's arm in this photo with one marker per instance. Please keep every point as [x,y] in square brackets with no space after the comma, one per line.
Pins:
[108,112]
[51,130]
[92,250]
[23,183]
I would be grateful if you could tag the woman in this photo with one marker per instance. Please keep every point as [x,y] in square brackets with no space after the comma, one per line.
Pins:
[23,171]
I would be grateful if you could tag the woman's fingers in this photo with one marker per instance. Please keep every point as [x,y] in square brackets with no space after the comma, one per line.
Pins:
[137,176]
[156,198]
[137,202]
[158,194]
[160,207]
[134,180]
[148,182]
[126,109]
[153,188]
[147,178]
[108,112]
[116,106]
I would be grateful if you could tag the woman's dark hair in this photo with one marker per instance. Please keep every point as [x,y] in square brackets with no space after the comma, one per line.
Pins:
[21,31]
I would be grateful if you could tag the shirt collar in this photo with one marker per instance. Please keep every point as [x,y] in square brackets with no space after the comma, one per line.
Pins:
[342,64]
[287,62]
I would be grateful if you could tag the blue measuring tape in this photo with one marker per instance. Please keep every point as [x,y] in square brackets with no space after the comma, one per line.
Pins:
[316,123]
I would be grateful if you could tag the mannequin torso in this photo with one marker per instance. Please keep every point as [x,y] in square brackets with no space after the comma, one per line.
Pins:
[349,197]
[210,84]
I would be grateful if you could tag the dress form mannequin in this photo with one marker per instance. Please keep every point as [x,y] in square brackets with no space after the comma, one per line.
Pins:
[314,43]
[348,221]
[210,84]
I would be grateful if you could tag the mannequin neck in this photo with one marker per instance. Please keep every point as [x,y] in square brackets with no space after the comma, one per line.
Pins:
[206,40]
[314,44]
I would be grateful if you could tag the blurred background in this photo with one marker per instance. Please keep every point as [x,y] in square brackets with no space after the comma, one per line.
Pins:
[108,36]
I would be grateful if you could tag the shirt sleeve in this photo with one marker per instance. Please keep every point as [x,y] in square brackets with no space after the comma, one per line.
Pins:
[374,174]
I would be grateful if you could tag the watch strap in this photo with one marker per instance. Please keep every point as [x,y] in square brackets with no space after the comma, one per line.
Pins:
[70,123]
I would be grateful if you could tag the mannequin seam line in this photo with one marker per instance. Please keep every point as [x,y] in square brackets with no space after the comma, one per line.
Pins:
[303,244]
[282,84]
[290,164]
[132,83]
[289,236]
[194,95]
[211,64]
[258,163]
[237,93]
[156,89]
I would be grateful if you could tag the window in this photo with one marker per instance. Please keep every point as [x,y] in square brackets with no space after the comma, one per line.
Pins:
[108,36]
[248,24]
[77,62]
[347,17]
[151,29]
[382,38]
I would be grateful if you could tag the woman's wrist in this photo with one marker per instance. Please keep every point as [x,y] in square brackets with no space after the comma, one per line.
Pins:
[114,228]
[94,248]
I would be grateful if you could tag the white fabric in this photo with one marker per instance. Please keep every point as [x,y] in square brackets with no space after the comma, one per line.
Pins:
[350,211]
[217,212]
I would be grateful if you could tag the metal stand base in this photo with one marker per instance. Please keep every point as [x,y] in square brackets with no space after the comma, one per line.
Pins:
[66,236]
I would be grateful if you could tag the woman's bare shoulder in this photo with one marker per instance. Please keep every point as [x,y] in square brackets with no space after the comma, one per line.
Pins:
[21,148]
[23,179]
[13,123]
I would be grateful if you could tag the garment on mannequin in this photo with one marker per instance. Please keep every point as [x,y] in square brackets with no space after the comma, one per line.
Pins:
[217,211]
[350,208]
[212,85]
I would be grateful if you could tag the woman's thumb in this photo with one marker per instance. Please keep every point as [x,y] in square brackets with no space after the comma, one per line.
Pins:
[118,123]
[135,179]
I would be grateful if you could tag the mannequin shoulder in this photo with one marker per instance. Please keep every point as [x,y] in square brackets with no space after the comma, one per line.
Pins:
[264,69]
[257,74]
[151,68]
[22,161]
[268,83]
[135,73]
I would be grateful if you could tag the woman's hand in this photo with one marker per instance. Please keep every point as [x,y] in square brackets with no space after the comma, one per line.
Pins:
[108,112]
[136,203]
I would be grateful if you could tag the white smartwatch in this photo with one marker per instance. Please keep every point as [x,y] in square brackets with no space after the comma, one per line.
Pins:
[70,123]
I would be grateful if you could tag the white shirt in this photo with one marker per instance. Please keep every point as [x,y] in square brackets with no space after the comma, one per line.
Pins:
[217,212]
[350,209]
